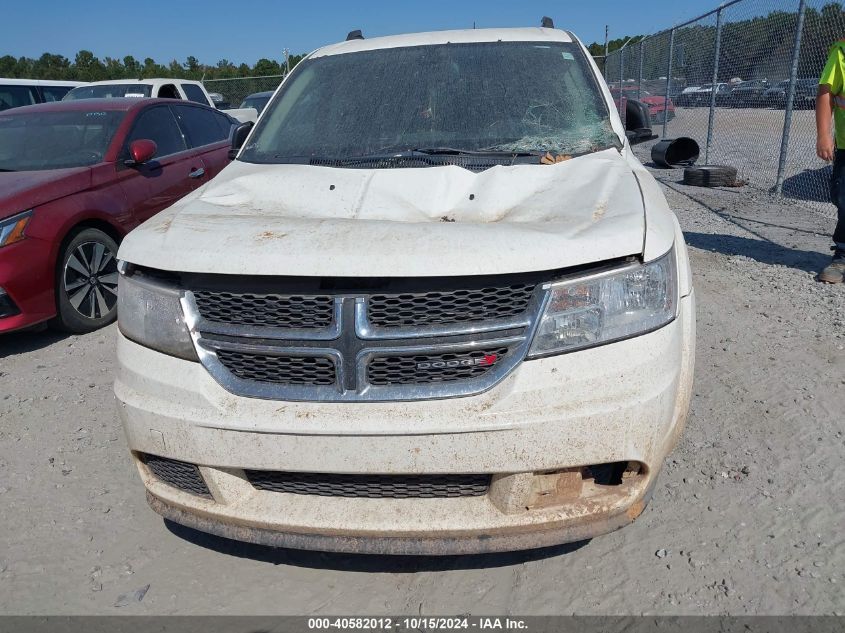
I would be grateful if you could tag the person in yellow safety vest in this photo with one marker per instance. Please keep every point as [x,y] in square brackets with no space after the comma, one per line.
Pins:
[830,103]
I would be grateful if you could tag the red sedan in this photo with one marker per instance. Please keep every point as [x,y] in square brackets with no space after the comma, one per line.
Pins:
[75,177]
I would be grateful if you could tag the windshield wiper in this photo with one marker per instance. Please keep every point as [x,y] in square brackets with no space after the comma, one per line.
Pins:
[474,152]
[1,169]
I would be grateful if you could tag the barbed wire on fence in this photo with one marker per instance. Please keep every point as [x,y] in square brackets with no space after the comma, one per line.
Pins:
[741,80]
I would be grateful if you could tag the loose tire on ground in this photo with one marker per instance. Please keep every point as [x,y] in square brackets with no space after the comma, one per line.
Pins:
[86,282]
[710,176]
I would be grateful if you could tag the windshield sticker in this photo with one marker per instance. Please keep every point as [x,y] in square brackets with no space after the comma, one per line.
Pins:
[95,114]
[568,56]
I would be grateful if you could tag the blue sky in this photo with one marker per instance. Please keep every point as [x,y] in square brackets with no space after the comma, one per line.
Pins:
[246,31]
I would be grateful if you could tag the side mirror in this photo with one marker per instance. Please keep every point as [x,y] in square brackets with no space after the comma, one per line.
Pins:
[238,138]
[637,122]
[140,152]
[640,135]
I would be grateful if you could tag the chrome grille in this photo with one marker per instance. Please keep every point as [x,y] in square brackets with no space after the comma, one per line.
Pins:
[409,340]
[429,368]
[456,306]
[281,370]
[270,310]
[181,475]
[371,486]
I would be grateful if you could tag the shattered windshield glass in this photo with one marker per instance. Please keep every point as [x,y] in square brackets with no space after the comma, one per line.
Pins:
[517,97]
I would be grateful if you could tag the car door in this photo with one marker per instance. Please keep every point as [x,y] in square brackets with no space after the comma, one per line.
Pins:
[174,171]
[208,133]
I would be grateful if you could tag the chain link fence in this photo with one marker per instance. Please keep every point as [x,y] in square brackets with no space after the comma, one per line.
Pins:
[741,80]
[230,93]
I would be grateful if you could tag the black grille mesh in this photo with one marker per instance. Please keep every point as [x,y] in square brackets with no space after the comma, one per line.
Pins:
[181,475]
[371,486]
[428,368]
[301,312]
[280,370]
[443,308]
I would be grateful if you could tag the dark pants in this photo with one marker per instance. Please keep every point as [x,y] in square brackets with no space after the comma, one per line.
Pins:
[837,194]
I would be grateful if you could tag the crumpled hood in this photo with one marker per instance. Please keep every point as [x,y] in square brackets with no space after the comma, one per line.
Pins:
[434,221]
[23,190]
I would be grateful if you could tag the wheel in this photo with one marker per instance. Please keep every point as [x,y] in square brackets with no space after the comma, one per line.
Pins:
[710,176]
[86,282]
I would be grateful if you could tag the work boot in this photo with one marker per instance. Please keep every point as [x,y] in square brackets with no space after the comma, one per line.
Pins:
[834,273]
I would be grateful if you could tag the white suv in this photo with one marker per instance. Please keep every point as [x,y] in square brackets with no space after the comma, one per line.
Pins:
[435,306]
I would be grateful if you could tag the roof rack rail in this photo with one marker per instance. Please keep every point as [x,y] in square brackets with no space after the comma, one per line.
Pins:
[547,22]
[355,35]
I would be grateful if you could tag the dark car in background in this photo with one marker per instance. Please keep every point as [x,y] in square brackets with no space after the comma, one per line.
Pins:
[701,96]
[805,94]
[746,94]
[775,97]
[75,177]
[257,100]
[806,91]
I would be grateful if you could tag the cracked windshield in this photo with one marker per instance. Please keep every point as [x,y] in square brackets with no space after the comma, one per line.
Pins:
[516,98]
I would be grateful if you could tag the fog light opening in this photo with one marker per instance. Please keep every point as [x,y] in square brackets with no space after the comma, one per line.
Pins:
[7,306]
[606,474]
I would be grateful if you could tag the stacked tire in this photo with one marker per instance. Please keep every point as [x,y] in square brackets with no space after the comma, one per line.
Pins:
[710,176]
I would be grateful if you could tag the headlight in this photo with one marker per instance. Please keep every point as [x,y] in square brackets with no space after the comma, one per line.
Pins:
[607,307]
[11,229]
[149,313]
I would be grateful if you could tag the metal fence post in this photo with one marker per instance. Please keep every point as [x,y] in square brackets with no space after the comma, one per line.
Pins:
[669,79]
[621,83]
[640,73]
[790,97]
[715,83]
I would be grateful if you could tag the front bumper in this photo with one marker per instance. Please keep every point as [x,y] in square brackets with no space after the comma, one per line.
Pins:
[26,276]
[623,402]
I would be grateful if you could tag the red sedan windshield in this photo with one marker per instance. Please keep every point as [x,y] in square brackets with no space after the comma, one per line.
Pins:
[55,140]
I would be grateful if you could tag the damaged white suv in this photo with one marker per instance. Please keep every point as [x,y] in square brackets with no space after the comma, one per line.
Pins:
[434,306]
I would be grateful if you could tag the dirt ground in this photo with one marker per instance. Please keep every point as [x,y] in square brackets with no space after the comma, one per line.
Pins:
[750,140]
[747,517]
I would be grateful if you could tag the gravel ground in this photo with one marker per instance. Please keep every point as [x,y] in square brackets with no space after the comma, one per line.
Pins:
[746,518]
[750,140]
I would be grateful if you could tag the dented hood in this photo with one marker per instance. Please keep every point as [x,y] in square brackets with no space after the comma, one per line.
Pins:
[433,221]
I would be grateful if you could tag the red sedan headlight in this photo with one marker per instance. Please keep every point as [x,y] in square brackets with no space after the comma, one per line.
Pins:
[12,229]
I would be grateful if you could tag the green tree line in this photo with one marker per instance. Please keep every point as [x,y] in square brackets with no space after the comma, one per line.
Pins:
[755,47]
[597,48]
[88,67]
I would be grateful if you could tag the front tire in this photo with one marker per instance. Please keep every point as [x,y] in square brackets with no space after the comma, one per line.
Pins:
[86,282]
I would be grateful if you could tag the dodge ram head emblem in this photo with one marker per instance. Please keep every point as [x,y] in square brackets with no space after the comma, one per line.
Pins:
[483,361]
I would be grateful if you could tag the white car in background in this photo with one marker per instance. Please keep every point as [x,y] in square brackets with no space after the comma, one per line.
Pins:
[22,92]
[156,88]
[432,308]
